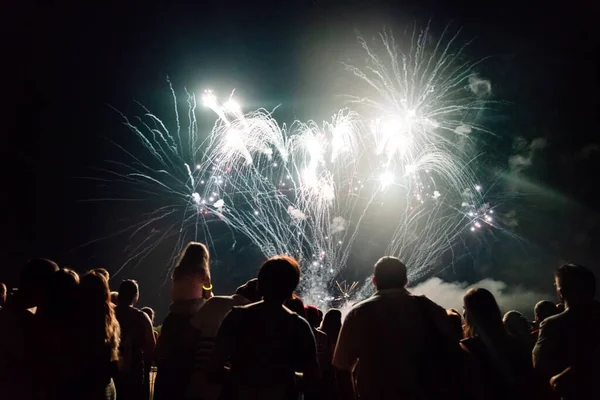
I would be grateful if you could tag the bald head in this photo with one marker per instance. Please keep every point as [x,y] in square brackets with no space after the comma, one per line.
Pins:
[390,273]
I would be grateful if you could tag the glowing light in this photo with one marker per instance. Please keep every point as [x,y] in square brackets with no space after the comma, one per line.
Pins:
[387,178]
[416,107]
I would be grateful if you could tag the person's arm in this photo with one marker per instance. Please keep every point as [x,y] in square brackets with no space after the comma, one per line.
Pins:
[346,356]
[543,354]
[149,340]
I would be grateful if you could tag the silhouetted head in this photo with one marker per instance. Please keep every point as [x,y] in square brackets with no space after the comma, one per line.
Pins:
[103,272]
[332,323]
[129,293]
[278,278]
[93,291]
[544,309]
[63,300]
[35,278]
[149,312]
[296,305]
[482,314]
[249,290]
[98,320]
[114,297]
[456,322]
[312,316]
[575,284]
[2,294]
[515,324]
[192,273]
[390,273]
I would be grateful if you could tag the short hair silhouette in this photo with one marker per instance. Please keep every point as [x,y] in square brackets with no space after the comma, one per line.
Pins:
[194,262]
[296,305]
[515,324]
[128,292]
[249,290]
[37,272]
[544,309]
[312,316]
[278,278]
[575,282]
[390,273]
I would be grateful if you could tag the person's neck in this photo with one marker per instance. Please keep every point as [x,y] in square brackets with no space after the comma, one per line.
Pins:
[273,303]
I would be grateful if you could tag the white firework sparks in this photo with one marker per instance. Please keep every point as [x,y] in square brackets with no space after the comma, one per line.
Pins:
[422,101]
[304,189]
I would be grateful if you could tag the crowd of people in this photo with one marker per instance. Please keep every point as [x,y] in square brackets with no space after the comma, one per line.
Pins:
[67,336]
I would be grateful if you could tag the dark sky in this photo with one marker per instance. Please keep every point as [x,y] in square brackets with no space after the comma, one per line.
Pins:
[64,63]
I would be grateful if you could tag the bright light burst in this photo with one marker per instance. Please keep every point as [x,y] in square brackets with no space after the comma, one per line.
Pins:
[304,189]
[422,106]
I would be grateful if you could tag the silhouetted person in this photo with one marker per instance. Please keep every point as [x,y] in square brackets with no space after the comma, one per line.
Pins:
[502,367]
[265,343]
[103,272]
[177,342]
[2,295]
[324,354]
[59,359]
[295,304]
[19,332]
[456,322]
[137,344]
[544,309]
[114,298]
[97,344]
[207,321]
[388,340]
[517,327]
[567,351]
[150,313]
[331,325]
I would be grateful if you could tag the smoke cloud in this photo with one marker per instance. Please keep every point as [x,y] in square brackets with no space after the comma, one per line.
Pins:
[296,213]
[525,153]
[338,224]
[450,294]
[480,87]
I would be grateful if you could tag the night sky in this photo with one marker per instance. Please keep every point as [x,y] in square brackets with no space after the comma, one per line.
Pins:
[65,64]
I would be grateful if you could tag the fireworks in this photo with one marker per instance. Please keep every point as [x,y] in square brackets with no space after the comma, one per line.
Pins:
[304,189]
[422,103]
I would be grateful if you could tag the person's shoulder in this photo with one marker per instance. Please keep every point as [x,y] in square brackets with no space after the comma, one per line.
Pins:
[218,301]
[427,302]
[471,344]
[555,321]
[320,333]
